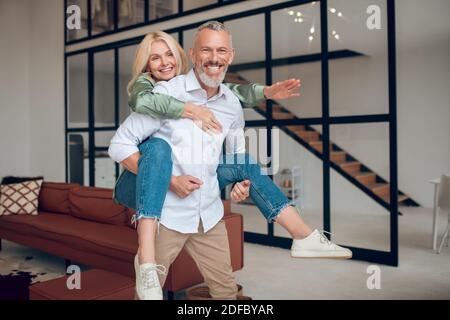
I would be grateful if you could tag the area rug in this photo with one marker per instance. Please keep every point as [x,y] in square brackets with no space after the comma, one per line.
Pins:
[18,273]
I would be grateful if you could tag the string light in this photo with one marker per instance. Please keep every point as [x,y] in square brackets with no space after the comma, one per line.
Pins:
[312,30]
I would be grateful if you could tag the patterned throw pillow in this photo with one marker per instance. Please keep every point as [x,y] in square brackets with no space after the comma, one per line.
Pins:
[20,198]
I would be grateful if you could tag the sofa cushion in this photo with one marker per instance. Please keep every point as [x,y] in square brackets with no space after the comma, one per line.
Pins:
[20,198]
[96,204]
[54,197]
[119,242]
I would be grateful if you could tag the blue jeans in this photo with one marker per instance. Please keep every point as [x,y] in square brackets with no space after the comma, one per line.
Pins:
[146,192]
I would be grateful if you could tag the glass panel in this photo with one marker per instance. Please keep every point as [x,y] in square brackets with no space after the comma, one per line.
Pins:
[255,76]
[77,91]
[78,157]
[131,12]
[193,4]
[301,23]
[174,35]
[162,8]
[358,84]
[300,172]
[105,170]
[126,58]
[104,88]
[309,103]
[103,138]
[188,42]
[102,14]
[360,151]
[82,32]
[256,145]
[242,30]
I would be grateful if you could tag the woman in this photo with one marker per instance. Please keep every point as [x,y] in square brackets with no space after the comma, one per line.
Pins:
[148,177]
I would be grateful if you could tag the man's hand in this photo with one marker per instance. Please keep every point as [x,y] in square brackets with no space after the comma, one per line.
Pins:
[283,90]
[241,191]
[131,163]
[184,185]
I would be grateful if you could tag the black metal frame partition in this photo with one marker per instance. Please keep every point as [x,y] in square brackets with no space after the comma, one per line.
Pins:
[181,13]
[382,257]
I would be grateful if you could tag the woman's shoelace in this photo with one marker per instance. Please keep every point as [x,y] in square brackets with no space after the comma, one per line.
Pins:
[323,238]
[150,279]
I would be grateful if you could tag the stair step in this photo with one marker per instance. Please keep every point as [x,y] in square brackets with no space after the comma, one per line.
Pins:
[380,189]
[366,178]
[296,128]
[233,77]
[351,166]
[309,136]
[318,145]
[237,81]
[401,198]
[282,115]
[275,108]
[338,156]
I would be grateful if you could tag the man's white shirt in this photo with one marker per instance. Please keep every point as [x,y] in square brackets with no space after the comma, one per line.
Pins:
[194,152]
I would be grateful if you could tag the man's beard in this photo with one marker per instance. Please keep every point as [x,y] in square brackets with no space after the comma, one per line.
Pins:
[207,80]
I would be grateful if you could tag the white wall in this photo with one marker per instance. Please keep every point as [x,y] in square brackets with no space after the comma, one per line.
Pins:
[47,89]
[32,88]
[14,88]
[423,119]
[423,84]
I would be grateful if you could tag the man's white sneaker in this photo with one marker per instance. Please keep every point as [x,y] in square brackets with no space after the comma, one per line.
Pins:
[316,245]
[147,281]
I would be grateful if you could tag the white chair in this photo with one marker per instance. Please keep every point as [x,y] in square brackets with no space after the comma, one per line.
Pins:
[444,205]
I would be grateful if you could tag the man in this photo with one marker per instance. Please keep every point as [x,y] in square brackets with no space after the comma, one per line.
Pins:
[194,222]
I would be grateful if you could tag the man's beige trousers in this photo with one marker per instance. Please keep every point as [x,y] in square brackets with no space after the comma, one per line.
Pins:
[210,251]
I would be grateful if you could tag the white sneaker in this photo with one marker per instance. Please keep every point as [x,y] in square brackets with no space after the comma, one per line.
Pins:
[147,281]
[316,245]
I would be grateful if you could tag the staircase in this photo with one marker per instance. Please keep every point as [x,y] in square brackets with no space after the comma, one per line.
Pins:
[340,160]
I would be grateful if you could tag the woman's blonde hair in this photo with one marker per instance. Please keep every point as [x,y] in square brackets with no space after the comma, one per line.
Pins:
[144,50]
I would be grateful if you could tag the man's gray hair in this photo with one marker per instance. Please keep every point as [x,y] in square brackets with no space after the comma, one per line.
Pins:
[216,26]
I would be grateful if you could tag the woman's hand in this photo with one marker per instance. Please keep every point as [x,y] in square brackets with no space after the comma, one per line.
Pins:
[203,117]
[241,191]
[183,186]
[283,90]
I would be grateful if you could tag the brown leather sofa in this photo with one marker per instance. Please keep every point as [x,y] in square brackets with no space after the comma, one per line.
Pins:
[84,225]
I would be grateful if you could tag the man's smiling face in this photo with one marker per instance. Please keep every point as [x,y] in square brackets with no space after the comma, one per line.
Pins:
[211,56]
